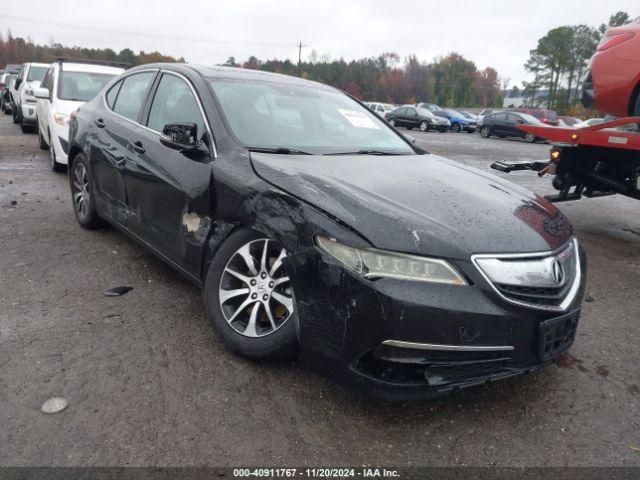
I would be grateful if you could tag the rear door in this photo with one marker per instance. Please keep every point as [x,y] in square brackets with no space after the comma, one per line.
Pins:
[412,117]
[168,192]
[115,131]
[499,124]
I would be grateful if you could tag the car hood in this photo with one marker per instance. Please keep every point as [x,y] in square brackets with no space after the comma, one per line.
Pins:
[421,204]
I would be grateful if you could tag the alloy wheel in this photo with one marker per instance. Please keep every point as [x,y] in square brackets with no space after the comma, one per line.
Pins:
[81,196]
[530,137]
[424,126]
[255,292]
[52,154]
[484,132]
[392,122]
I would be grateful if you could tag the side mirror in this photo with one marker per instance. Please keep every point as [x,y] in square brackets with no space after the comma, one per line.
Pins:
[181,136]
[41,92]
[519,122]
[17,84]
[409,138]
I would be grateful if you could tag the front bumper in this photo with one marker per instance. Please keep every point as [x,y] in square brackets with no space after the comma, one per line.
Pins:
[346,323]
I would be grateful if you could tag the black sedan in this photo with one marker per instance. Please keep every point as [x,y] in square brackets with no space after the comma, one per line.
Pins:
[417,117]
[317,230]
[505,124]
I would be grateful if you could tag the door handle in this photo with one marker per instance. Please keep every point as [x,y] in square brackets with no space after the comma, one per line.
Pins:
[137,146]
[99,122]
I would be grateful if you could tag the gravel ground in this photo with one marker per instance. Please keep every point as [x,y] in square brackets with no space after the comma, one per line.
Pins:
[149,384]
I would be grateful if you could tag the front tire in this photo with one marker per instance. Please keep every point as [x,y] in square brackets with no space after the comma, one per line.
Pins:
[249,298]
[485,132]
[392,122]
[424,126]
[455,127]
[15,114]
[82,194]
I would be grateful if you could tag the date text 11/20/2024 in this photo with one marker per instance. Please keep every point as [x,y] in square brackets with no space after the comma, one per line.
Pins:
[365,472]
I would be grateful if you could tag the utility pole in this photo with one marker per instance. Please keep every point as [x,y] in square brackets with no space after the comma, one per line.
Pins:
[300,46]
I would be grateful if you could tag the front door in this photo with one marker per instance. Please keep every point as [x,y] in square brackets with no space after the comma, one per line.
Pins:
[168,192]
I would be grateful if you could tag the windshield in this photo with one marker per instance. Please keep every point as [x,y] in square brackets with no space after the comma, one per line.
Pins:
[454,113]
[36,74]
[81,86]
[301,117]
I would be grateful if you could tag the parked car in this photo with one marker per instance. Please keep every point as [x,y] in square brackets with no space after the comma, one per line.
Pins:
[412,117]
[505,124]
[67,84]
[469,115]
[569,121]
[459,123]
[7,79]
[612,84]
[23,100]
[545,116]
[328,235]
[380,108]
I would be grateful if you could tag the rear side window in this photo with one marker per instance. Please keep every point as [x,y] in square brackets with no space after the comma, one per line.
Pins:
[132,93]
[113,93]
[174,102]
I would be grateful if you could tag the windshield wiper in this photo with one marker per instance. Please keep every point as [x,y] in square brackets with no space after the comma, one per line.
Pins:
[365,152]
[280,150]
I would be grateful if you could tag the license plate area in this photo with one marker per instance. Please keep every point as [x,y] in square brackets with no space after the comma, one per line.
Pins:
[556,335]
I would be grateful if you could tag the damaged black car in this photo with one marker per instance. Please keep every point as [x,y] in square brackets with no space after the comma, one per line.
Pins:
[316,230]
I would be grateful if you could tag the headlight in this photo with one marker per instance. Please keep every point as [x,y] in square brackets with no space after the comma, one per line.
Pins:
[371,263]
[61,119]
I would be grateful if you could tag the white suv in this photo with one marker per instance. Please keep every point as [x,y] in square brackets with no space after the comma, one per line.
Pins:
[23,100]
[66,85]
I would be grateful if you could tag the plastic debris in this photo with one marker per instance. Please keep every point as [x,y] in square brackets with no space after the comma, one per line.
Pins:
[117,291]
[54,405]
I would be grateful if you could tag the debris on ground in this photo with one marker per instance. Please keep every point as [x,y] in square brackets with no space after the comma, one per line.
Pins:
[117,291]
[54,405]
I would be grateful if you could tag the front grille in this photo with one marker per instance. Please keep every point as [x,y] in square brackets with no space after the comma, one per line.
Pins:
[548,281]
[547,296]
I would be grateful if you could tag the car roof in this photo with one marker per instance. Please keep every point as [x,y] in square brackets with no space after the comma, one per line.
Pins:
[90,67]
[233,73]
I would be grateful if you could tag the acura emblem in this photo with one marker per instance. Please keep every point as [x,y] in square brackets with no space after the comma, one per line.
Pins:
[558,272]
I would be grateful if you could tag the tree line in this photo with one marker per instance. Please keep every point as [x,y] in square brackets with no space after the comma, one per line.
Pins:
[558,64]
[449,81]
[18,50]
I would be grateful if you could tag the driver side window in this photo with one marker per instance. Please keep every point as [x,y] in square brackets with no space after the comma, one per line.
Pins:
[174,102]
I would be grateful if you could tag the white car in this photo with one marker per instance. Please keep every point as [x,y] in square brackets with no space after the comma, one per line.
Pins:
[66,86]
[22,98]
[380,108]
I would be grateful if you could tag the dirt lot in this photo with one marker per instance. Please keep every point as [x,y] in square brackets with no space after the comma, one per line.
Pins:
[149,384]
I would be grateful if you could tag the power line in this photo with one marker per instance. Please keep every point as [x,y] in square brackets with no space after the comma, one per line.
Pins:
[141,34]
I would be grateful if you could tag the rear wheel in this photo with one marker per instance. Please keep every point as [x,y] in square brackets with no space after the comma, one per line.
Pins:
[637,109]
[81,194]
[249,298]
[530,137]
[424,126]
[485,132]
[455,127]
[392,122]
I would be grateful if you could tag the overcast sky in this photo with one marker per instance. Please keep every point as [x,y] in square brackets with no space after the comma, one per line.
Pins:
[498,33]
